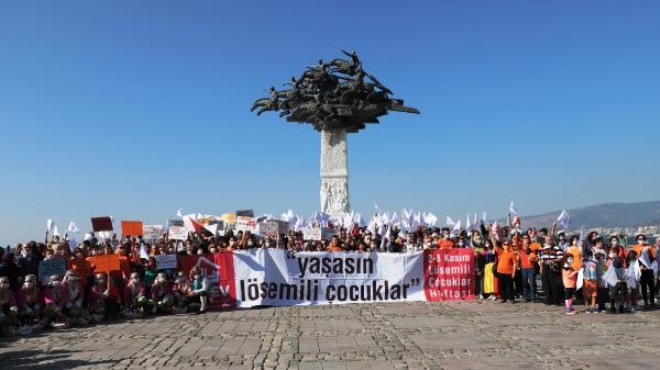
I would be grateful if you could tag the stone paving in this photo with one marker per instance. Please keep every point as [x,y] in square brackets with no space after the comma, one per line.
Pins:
[461,335]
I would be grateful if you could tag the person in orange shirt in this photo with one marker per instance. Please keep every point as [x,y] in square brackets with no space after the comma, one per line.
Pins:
[528,264]
[569,278]
[576,252]
[335,245]
[647,280]
[506,271]
[445,242]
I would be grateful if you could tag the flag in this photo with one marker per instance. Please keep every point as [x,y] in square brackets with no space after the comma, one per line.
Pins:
[378,210]
[430,219]
[468,225]
[610,276]
[72,229]
[55,232]
[143,251]
[456,231]
[580,279]
[564,220]
[49,225]
[513,209]
[644,259]
[179,212]
[484,220]
[198,228]
[450,222]
[213,229]
[633,274]
[73,243]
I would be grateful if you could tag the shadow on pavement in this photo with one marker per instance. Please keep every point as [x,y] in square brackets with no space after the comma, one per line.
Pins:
[58,359]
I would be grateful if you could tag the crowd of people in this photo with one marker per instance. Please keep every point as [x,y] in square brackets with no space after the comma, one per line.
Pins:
[508,261]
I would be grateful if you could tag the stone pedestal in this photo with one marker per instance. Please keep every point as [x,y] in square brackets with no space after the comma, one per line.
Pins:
[334,171]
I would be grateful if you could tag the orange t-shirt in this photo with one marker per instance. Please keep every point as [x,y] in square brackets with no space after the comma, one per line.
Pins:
[576,253]
[506,262]
[638,249]
[445,244]
[528,260]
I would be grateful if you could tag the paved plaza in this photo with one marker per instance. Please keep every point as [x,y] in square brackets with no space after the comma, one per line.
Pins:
[462,335]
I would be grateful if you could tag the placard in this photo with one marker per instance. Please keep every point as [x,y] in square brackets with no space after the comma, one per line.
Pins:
[178,233]
[131,228]
[152,232]
[48,268]
[272,227]
[312,233]
[229,218]
[244,223]
[106,263]
[175,223]
[165,261]
[102,224]
[245,213]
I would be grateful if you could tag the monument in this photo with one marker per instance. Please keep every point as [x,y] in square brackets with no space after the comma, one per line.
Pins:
[336,98]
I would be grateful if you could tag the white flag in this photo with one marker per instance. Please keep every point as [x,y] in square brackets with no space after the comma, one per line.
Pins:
[378,210]
[450,222]
[179,212]
[468,225]
[484,220]
[513,209]
[564,220]
[55,232]
[72,229]
[430,219]
[610,276]
[456,231]
[143,251]
[644,259]
[633,274]
[73,243]
[49,225]
[580,279]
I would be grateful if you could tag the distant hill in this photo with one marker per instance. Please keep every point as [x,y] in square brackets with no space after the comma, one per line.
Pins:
[607,215]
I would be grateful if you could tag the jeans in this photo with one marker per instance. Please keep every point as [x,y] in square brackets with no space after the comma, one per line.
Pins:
[647,283]
[529,283]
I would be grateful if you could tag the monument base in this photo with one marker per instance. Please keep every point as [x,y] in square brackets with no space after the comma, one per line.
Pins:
[334,171]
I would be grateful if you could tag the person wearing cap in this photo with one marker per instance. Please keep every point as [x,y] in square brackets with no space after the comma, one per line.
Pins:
[647,254]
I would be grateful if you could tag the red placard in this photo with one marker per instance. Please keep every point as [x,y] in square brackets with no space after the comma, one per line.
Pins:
[131,228]
[449,274]
[219,270]
[106,263]
[101,224]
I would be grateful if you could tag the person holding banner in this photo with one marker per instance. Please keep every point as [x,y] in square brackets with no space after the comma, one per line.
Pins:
[105,298]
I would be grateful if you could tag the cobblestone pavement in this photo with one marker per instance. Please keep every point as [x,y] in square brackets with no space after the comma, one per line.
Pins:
[477,335]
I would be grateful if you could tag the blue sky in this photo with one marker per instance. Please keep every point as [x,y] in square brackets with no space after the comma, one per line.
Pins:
[134,109]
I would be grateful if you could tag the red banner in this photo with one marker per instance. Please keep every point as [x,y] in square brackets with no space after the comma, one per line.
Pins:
[219,271]
[449,274]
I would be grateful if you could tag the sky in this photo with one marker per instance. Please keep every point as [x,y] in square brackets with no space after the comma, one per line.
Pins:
[136,108]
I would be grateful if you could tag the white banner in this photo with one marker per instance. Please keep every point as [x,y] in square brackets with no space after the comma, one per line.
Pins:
[165,261]
[284,278]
